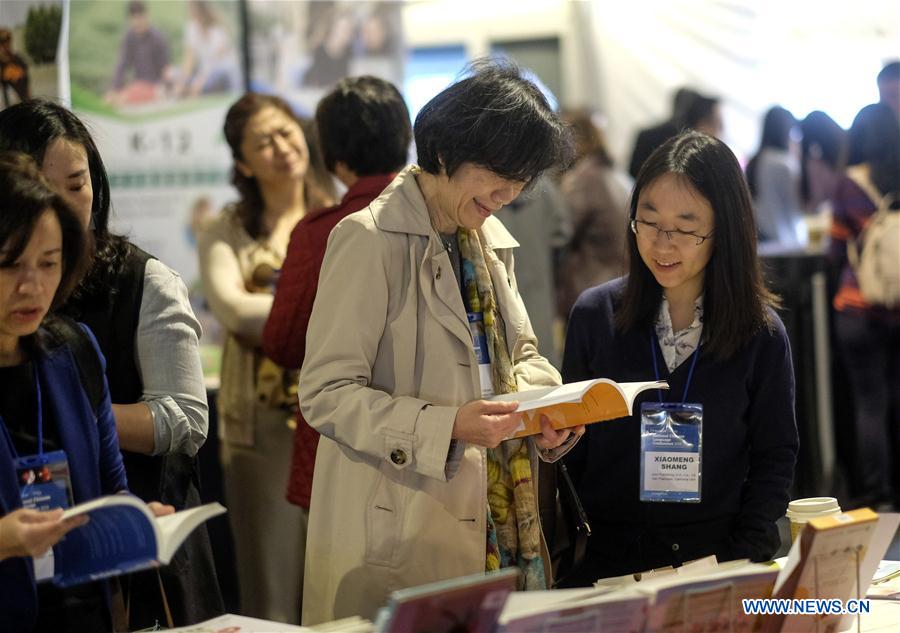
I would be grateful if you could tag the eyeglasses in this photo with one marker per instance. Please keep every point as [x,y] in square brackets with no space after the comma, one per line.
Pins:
[650,231]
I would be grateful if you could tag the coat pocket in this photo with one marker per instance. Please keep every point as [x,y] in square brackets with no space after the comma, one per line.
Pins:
[385,512]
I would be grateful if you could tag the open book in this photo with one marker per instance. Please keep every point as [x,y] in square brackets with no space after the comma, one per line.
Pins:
[122,536]
[576,403]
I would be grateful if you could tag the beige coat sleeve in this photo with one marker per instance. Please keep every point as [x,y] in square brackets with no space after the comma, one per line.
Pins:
[343,342]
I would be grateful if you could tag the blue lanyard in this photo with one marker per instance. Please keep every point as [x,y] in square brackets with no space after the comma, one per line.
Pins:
[40,421]
[687,385]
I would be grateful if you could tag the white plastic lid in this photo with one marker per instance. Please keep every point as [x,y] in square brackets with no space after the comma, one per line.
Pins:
[812,507]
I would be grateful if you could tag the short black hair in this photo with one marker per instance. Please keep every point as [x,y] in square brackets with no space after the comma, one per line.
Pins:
[495,118]
[364,123]
[137,7]
[699,108]
[874,139]
[890,72]
[24,197]
[736,300]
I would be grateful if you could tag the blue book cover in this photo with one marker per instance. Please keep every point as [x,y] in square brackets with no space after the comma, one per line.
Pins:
[121,536]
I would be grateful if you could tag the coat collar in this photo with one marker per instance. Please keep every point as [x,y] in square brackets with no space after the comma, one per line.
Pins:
[407,213]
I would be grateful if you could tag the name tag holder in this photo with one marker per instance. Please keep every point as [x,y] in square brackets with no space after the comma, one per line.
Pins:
[671,445]
[45,481]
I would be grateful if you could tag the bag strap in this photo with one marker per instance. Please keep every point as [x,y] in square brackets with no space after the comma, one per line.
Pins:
[860,177]
[582,527]
[90,370]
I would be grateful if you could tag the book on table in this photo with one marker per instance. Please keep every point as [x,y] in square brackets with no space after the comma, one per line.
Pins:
[826,563]
[576,403]
[698,597]
[122,535]
[467,603]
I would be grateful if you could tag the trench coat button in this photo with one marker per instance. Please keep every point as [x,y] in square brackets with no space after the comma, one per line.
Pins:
[438,275]
[398,456]
[675,547]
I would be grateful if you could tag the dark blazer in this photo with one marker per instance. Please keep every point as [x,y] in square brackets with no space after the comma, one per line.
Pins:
[92,447]
[748,453]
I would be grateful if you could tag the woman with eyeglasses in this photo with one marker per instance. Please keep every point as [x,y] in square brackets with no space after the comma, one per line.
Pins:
[706,466]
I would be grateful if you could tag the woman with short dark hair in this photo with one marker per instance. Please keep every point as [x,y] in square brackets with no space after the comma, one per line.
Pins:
[694,311]
[46,405]
[416,321]
[138,309]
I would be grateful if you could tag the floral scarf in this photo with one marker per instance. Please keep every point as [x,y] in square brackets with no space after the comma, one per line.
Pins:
[513,527]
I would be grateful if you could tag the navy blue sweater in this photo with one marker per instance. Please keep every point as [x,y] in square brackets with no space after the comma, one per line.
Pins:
[749,446]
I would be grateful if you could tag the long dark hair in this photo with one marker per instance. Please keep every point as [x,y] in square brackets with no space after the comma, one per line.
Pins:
[735,295]
[31,127]
[776,134]
[318,189]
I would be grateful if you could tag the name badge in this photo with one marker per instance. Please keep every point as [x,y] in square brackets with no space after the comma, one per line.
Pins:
[45,483]
[479,344]
[671,452]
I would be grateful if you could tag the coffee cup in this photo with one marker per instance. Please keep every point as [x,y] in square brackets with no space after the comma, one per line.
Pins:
[800,511]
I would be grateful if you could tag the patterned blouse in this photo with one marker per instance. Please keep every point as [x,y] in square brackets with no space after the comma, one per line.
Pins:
[678,346]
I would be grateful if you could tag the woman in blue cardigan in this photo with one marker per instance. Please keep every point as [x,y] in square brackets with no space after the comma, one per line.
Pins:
[44,403]
[693,311]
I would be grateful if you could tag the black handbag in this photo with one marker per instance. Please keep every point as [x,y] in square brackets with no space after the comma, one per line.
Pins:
[565,522]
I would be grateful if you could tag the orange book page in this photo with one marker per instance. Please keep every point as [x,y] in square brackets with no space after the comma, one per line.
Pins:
[601,402]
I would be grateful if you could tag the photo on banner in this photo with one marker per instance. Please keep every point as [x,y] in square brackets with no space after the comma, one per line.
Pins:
[153,79]
[299,50]
[29,49]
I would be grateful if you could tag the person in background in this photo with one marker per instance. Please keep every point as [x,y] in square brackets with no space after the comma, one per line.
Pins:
[13,70]
[693,311]
[241,252]
[597,194]
[144,53]
[210,63]
[46,403]
[704,114]
[364,134]
[649,139]
[889,86]
[822,150]
[138,309]
[868,334]
[540,221]
[773,175]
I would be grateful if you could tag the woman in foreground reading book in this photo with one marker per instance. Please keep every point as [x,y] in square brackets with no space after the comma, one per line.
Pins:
[413,482]
[138,309]
[46,403]
[694,311]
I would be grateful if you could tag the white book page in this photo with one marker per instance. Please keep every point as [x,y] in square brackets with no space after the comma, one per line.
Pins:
[574,392]
[174,528]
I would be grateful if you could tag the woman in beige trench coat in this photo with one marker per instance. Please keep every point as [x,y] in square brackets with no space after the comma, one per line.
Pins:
[413,482]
